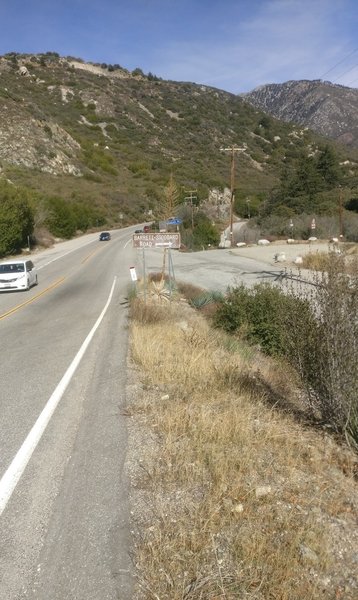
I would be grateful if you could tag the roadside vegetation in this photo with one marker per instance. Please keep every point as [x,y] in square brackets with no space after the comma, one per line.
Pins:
[109,142]
[27,217]
[243,484]
[316,331]
[309,187]
[322,261]
[16,219]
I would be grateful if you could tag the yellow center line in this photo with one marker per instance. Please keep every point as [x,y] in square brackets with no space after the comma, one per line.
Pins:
[48,289]
[89,255]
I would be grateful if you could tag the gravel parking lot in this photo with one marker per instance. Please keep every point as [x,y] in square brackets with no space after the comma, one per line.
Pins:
[291,251]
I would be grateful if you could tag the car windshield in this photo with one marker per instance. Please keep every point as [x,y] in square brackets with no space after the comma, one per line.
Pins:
[12,268]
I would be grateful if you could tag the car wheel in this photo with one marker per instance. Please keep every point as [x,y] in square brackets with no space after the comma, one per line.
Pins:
[36,282]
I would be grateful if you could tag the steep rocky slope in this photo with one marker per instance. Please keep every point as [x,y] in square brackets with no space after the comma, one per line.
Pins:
[329,109]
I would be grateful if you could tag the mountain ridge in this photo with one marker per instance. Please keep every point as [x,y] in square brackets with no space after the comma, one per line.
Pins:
[329,109]
[100,135]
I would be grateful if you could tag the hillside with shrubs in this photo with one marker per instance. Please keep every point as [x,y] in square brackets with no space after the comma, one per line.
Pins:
[86,145]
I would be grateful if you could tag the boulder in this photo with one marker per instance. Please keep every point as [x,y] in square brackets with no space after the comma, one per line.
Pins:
[23,71]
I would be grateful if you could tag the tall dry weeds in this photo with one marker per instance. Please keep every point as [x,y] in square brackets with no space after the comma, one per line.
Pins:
[230,489]
[325,350]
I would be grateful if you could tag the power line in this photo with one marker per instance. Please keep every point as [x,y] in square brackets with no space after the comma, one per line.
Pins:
[354,80]
[345,72]
[338,63]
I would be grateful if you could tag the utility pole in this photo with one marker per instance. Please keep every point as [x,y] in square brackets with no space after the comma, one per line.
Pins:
[189,199]
[340,208]
[233,149]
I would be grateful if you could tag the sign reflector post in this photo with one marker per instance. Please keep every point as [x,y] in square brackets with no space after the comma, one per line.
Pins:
[133,273]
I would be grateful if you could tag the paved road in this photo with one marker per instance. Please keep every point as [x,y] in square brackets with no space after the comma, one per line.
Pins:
[64,522]
[217,269]
[64,526]
[212,269]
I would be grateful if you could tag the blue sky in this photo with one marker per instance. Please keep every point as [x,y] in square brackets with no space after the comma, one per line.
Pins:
[234,45]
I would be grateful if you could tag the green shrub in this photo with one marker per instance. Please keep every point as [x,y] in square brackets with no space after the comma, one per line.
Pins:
[139,167]
[96,158]
[232,313]
[326,354]
[258,314]
[203,235]
[61,221]
[205,298]
[264,312]
[316,331]
[16,219]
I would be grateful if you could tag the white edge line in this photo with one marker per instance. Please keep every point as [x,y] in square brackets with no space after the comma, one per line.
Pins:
[61,255]
[12,475]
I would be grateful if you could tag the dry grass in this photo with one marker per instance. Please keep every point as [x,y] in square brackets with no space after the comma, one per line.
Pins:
[232,499]
[351,249]
[317,261]
[320,261]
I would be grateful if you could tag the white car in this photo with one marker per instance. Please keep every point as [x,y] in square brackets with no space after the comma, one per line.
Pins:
[17,275]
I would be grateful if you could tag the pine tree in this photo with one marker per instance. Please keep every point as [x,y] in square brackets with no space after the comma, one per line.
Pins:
[328,167]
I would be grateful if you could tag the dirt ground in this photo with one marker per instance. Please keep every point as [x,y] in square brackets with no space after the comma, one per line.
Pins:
[290,251]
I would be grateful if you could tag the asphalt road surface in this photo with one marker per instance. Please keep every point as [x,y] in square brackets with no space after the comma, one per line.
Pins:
[218,269]
[212,269]
[63,494]
[64,527]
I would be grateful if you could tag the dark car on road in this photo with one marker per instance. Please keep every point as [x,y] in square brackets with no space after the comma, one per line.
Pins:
[105,236]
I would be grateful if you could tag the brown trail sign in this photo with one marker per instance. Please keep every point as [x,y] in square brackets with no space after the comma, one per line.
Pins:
[156,240]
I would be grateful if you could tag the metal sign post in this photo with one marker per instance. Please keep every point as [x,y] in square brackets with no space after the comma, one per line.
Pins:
[164,240]
[291,228]
[171,273]
[144,279]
